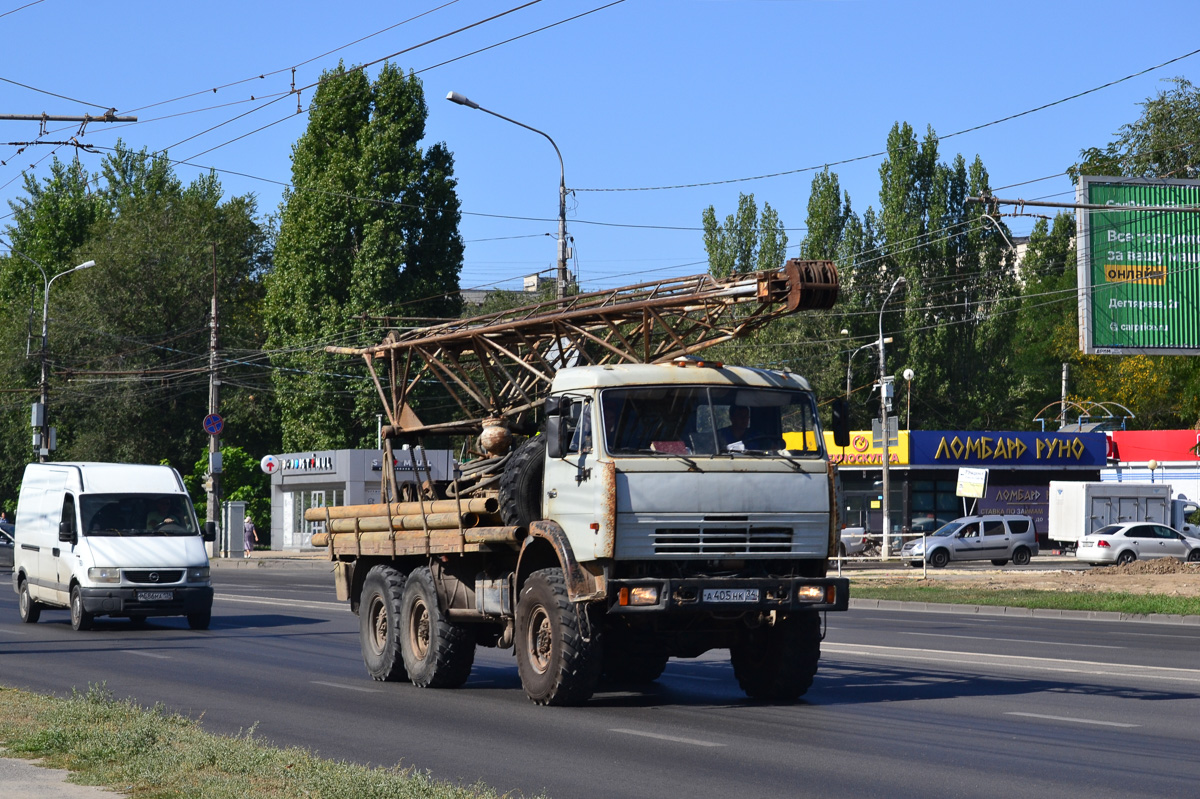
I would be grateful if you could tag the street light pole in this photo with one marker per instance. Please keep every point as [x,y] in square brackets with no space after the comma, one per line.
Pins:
[44,443]
[455,97]
[884,401]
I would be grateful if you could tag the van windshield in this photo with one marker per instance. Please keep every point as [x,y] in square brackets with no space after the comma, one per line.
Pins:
[137,514]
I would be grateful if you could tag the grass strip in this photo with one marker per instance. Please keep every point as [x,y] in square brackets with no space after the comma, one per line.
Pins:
[151,752]
[1135,604]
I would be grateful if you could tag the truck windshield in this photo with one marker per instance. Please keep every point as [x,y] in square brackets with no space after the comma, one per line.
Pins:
[137,514]
[703,420]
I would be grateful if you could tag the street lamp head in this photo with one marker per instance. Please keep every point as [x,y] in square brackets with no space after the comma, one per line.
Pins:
[84,265]
[845,332]
[909,374]
[455,97]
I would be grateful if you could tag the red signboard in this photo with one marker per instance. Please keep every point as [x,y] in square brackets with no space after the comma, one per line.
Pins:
[1164,446]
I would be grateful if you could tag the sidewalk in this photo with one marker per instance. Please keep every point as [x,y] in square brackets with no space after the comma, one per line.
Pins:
[28,780]
[260,559]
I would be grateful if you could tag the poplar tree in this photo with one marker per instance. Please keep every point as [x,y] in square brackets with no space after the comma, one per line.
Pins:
[369,229]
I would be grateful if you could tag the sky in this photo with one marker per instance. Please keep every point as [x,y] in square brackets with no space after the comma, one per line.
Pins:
[660,108]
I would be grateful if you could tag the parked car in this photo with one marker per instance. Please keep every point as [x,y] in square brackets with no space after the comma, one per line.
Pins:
[1125,543]
[995,538]
[854,541]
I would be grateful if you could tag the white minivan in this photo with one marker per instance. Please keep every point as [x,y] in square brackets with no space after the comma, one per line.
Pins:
[109,539]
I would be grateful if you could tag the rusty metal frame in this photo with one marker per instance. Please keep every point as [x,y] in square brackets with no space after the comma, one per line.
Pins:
[502,364]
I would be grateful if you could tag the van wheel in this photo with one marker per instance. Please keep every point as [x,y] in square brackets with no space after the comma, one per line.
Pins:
[198,620]
[939,558]
[379,624]
[29,608]
[80,618]
[1000,562]
[437,653]
[1020,556]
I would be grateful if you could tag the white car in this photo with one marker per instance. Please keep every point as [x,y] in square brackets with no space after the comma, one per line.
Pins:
[854,541]
[1125,543]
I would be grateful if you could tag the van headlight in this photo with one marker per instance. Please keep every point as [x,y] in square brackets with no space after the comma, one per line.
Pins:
[104,574]
[198,574]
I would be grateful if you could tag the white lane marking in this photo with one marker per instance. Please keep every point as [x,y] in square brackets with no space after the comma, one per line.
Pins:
[949,657]
[286,603]
[346,687]
[674,675]
[15,632]
[672,738]
[1070,719]
[146,654]
[1011,640]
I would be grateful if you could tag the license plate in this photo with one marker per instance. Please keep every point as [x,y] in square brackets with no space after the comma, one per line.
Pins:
[730,594]
[155,596]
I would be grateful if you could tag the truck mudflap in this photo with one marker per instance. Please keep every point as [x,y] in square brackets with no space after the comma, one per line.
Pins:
[728,595]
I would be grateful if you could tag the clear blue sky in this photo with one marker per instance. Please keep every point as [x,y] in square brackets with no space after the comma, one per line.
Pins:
[645,93]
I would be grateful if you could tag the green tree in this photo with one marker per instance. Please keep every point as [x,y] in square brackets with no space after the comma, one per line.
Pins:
[1164,142]
[745,241]
[368,229]
[241,481]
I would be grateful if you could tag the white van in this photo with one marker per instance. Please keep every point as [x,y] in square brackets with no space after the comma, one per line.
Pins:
[109,539]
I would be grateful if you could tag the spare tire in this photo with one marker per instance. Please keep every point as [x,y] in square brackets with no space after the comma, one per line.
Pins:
[521,484]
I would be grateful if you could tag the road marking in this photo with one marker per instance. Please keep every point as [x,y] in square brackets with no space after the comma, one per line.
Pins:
[672,738]
[146,654]
[15,632]
[285,603]
[674,675]
[346,687]
[1012,640]
[948,657]
[1074,720]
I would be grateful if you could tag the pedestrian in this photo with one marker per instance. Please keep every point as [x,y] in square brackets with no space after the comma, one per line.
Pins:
[250,534]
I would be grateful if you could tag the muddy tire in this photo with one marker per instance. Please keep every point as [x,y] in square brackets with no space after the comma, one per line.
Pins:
[437,653]
[521,484]
[29,608]
[379,624]
[558,649]
[778,663]
[80,618]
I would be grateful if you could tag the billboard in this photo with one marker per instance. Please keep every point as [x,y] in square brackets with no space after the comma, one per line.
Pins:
[1009,450]
[1139,266]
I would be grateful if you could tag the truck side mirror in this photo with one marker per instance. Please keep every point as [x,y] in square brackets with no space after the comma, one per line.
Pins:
[66,532]
[554,406]
[210,531]
[841,422]
[554,436]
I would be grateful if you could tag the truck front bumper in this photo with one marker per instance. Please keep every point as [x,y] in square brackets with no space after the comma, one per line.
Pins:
[167,601]
[723,595]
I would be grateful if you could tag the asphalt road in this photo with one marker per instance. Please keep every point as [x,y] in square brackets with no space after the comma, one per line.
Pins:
[906,704]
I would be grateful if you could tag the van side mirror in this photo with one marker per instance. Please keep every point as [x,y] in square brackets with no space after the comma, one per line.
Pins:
[210,531]
[66,532]
[841,422]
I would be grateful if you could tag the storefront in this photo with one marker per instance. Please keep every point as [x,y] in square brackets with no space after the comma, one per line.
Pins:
[923,474]
[1174,455]
[338,477]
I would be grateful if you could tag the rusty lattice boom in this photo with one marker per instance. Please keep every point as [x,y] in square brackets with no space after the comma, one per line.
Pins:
[501,364]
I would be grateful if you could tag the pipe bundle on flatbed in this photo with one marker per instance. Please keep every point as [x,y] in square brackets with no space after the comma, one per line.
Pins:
[416,542]
[486,505]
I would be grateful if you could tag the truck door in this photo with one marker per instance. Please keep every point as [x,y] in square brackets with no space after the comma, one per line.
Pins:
[571,482]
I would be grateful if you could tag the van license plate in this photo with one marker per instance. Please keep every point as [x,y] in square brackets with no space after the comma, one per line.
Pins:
[155,596]
[730,594]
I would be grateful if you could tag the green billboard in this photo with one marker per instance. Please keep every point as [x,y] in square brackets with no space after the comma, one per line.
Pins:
[1139,266]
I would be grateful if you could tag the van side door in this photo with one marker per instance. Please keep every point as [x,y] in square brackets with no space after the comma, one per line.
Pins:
[63,552]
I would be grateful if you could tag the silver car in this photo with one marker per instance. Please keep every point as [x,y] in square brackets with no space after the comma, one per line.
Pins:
[1125,543]
[854,541]
[995,538]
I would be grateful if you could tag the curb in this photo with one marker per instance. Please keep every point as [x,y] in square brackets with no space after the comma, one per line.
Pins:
[1035,613]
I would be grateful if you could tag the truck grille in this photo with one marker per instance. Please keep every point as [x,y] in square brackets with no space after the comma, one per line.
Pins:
[153,576]
[722,540]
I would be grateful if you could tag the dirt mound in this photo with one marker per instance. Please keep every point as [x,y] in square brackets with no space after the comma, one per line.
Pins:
[1156,566]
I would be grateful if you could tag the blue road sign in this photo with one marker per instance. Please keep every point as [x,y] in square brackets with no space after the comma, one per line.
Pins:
[214,424]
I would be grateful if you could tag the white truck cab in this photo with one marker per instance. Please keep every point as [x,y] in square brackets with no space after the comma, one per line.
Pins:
[109,539]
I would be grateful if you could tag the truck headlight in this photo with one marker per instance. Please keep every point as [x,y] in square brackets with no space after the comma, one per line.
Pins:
[639,595]
[104,574]
[811,593]
[198,574]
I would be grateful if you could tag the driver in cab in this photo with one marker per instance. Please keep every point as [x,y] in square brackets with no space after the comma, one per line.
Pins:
[161,514]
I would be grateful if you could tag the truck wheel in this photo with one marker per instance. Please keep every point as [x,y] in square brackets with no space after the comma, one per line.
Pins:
[437,653]
[80,618]
[558,650]
[521,484]
[29,608]
[199,620]
[778,663]
[626,666]
[1020,556]
[938,558]
[379,624]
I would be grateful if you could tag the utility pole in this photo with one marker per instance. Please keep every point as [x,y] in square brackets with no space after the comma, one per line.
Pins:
[214,391]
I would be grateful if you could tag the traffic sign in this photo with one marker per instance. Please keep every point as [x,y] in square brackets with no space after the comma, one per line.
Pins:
[269,464]
[214,424]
